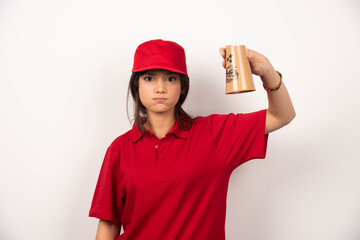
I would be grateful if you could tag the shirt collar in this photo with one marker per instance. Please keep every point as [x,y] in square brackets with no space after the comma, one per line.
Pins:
[176,130]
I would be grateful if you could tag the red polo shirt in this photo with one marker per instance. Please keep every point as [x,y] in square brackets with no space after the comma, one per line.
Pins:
[176,187]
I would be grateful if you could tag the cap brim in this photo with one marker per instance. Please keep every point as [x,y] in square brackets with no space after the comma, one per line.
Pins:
[159,67]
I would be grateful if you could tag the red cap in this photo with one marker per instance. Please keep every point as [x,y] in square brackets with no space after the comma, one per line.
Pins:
[160,54]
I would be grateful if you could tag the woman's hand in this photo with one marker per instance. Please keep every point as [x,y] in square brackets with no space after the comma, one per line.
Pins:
[280,110]
[259,64]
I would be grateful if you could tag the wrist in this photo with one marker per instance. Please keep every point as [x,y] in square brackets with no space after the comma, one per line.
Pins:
[274,88]
[270,79]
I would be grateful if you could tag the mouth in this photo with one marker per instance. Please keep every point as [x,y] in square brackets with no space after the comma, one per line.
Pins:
[159,99]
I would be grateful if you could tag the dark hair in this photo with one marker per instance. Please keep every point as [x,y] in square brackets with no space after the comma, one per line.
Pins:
[185,121]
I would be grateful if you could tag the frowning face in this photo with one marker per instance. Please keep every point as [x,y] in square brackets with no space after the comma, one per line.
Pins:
[159,91]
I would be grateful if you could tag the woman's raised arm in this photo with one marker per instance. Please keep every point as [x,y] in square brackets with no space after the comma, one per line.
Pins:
[280,109]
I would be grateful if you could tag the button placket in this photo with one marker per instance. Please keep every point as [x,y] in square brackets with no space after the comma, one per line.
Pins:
[159,150]
[163,144]
[156,152]
[159,147]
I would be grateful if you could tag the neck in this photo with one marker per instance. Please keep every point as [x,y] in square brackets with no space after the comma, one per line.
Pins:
[160,124]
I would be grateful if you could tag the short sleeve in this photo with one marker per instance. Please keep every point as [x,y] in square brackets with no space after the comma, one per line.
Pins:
[107,203]
[239,137]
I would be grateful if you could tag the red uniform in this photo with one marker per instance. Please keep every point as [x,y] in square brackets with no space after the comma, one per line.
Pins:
[176,187]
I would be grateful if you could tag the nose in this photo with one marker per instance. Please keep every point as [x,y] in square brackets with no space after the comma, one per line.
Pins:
[160,87]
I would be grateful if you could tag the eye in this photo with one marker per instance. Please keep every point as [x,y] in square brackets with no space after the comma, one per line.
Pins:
[148,78]
[171,79]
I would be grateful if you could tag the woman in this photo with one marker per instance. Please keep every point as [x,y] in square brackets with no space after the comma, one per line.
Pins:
[167,177]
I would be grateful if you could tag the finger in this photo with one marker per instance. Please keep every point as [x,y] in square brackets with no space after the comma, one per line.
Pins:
[250,53]
[251,57]
[224,64]
[255,55]
[222,52]
[225,50]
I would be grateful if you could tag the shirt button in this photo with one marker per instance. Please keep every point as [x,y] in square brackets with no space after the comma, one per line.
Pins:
[156,146]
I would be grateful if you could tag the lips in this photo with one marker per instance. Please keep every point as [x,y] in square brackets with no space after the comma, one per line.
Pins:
[159,99]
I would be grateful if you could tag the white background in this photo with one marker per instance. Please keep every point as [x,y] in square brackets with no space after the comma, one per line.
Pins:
[64,71]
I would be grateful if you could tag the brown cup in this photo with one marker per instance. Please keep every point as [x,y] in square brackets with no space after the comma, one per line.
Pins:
[238,72]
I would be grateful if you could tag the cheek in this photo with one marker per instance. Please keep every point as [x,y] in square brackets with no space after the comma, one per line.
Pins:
[142,93]
[176,91]
[179,93]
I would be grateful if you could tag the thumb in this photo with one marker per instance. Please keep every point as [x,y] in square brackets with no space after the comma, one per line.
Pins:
[251,57]
[250,54]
